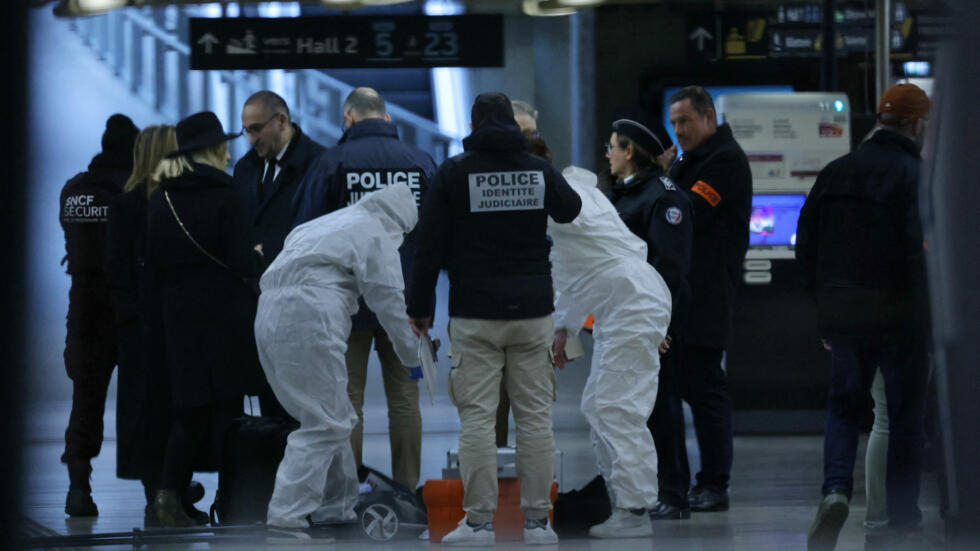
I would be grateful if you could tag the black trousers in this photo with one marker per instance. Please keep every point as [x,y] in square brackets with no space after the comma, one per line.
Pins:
[704,386]
[90,357]
[666,424]
[189,432]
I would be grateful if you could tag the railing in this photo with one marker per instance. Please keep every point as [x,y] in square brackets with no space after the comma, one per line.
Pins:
[146,48]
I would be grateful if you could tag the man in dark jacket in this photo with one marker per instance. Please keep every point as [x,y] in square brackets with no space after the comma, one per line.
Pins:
[859,242]
[267,178]
[90,346]
[658,212]
[280,145]
[714,172]
[485,220]
[368,158]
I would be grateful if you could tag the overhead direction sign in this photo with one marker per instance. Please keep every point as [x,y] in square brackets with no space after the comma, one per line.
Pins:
[351,41]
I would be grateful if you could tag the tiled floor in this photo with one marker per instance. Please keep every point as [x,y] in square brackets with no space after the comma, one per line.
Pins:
[775,486]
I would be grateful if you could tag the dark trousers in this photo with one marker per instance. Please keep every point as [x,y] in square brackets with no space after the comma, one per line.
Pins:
[904,366]
[190,429]
[704,386]
[666,424]
[90,356]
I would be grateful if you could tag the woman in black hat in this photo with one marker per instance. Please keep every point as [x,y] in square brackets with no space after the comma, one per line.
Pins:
[199,256]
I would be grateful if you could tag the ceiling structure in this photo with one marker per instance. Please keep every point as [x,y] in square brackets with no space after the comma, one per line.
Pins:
[71,8]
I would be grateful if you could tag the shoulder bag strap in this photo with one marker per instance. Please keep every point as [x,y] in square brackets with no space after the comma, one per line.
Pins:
[188,234]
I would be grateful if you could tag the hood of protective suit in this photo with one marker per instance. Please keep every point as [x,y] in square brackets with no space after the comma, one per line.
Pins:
[598,234]
[580,177]
[395,208]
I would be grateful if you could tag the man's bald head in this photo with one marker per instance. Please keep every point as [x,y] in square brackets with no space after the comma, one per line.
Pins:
[364,103]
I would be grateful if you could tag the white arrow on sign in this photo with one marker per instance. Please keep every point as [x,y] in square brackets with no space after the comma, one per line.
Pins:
[700,34]
[209,41]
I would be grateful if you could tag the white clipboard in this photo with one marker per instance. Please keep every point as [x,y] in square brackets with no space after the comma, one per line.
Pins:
[427,359]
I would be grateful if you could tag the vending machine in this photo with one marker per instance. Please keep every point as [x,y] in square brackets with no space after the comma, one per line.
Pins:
[775,361]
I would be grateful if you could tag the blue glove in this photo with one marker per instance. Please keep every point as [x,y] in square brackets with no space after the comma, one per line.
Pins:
[415,372]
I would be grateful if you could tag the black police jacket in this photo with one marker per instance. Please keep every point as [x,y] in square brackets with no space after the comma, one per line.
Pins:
[368,157]
[485,220]
[859,240]
[271,218]
[660,214]
[85,212]
[717,179]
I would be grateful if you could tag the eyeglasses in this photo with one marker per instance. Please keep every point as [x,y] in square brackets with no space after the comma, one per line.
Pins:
[254,129]
[608,147]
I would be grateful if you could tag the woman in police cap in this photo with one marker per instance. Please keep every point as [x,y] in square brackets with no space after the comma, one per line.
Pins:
[639,152]
[199,255]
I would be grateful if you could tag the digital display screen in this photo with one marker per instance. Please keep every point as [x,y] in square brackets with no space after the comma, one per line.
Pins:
[773,219]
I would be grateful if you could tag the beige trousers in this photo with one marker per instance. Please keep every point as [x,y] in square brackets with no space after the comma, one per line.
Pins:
[402,393]
[483,353]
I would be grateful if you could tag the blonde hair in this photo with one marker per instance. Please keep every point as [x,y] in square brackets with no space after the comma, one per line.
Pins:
[216,156]
[151,146]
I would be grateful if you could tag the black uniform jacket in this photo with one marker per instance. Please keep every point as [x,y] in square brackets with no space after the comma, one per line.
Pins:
[660,214]
[369,157]
[485,220]
[717,179]
[270,218]
[85,212]
[207,311]
[859,240]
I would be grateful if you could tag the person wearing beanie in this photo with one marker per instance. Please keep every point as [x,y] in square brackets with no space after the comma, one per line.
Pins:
[714,173]
[860,245]
[90,344]
[485,219]
[659,213]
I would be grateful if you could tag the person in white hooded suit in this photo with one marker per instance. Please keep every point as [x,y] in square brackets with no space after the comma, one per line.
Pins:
[599,267]
[304,318]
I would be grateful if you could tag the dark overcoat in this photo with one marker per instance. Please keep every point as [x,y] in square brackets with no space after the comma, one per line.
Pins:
[143,399]
[269,213]
[207,310]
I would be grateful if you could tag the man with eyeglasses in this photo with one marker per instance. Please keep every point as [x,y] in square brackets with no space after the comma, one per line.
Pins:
[267,178]
[369,158]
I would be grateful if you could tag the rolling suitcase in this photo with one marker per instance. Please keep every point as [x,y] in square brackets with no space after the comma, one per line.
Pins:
[253,449]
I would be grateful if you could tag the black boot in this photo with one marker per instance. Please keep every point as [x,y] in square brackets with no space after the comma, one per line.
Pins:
[79,502]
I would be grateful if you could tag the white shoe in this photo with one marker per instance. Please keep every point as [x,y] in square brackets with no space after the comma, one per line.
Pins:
[623,524]
[464,534]
[539,533]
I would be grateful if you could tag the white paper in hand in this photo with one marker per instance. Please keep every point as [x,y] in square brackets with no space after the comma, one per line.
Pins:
[427,360]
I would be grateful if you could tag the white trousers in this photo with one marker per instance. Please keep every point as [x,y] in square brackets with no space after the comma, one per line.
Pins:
[617,401]
[302,346]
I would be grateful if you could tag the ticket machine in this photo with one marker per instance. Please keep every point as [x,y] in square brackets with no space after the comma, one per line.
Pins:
[775,361]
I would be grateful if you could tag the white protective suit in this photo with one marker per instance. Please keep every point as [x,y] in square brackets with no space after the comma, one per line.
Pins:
[304,318]
[600,268]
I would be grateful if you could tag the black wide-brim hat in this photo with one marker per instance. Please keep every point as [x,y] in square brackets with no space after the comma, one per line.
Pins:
[199,131]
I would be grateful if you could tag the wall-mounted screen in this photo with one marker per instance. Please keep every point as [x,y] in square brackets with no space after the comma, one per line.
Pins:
[773,219]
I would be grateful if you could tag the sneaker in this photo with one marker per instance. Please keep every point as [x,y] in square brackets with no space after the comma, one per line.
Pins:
[469,534]
[624,523]
[79,503]
[539,532]
[831,515]
[284,535]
